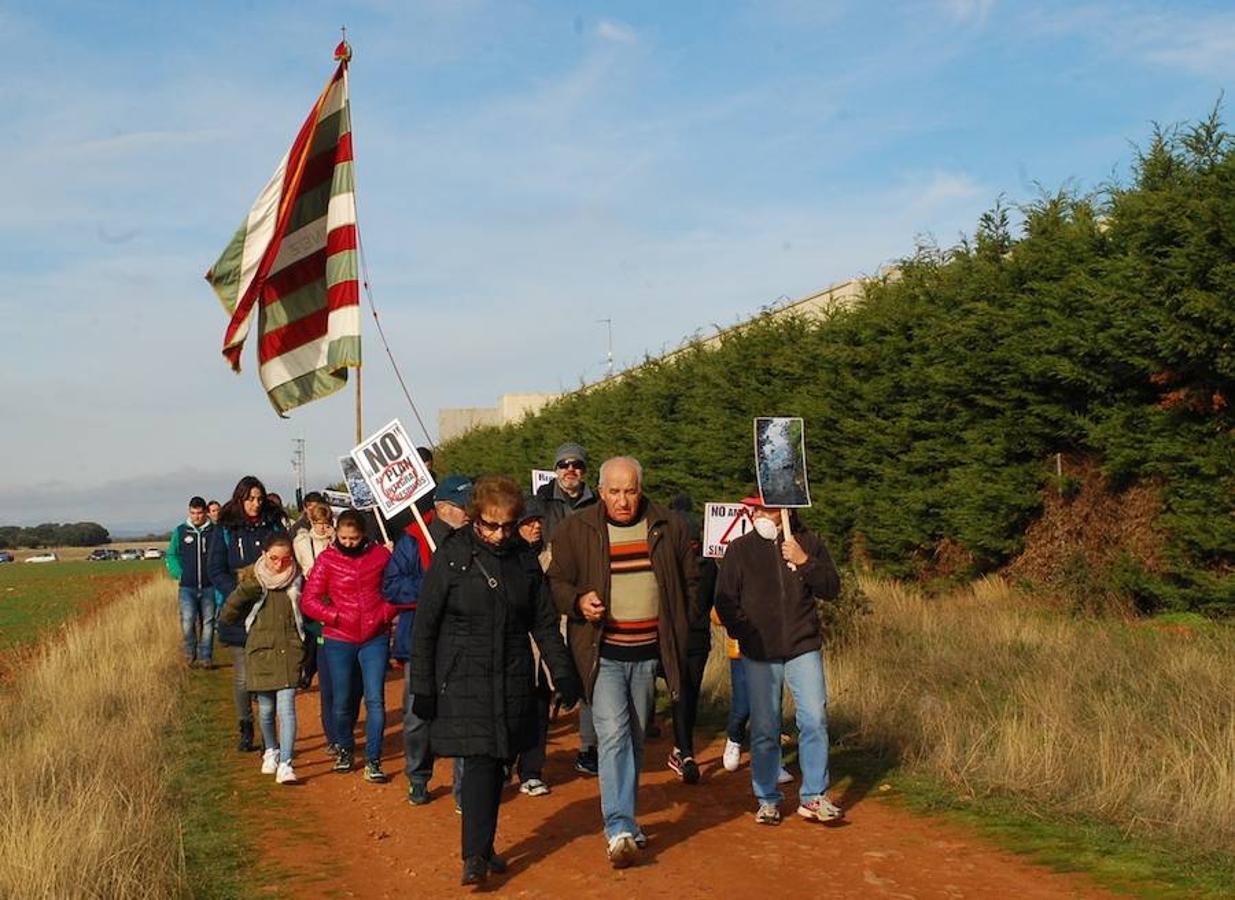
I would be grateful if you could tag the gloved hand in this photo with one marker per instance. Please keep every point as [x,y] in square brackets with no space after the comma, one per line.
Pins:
[424,706]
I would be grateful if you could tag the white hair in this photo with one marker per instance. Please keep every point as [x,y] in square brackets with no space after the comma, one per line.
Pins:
[623,461]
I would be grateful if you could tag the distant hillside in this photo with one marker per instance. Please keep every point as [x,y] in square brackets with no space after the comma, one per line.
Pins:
[1101,327]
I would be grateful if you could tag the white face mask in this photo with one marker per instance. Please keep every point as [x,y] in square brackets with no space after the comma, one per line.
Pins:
[766,528]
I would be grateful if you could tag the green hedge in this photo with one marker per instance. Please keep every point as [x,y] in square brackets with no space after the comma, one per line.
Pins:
[1100,324]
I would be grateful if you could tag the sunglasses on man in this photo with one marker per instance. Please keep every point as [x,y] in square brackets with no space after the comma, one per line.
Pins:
[575,464]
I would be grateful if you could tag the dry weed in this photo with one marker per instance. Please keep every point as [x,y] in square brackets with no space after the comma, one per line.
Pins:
[84,810]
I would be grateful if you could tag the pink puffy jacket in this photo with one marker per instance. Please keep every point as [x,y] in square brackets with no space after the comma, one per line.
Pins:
[345,594]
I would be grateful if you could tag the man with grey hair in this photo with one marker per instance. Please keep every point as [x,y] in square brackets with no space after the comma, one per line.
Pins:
[624,575]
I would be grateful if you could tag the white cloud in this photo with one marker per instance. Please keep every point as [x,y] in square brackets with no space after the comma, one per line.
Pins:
[616,32]
[1188,40]
[968,11]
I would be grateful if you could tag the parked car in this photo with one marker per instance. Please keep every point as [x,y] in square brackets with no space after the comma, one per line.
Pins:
[152,553]
[42,558]
[130,554]
[102,554]
[6,557]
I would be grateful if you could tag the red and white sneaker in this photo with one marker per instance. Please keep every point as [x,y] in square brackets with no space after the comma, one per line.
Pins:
[821,809]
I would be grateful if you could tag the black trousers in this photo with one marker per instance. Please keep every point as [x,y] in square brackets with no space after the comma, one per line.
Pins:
[483,777]
[532,760]
[686,708]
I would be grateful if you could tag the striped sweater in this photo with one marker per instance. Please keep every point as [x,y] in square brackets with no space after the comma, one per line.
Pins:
[633,617]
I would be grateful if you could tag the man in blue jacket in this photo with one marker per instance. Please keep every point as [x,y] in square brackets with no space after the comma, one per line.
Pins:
[186,559]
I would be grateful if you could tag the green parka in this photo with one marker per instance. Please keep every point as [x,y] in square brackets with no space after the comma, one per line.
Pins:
[275,644]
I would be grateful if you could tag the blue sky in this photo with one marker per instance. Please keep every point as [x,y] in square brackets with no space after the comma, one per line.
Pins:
[524,169]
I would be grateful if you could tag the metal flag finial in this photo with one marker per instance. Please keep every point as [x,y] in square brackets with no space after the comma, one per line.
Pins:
[343,52]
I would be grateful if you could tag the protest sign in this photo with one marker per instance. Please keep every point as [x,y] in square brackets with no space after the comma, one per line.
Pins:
[780,461]
[541,477]
[358,491]
[392,468]
[338,499]
[722,524]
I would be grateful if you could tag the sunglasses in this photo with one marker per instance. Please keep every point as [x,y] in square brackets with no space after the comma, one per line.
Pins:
[495,526]
[575,464]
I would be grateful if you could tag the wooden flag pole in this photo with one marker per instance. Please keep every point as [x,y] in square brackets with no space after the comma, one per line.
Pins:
[359,410]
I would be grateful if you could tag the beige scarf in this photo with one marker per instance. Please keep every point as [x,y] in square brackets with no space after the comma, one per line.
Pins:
[272,580]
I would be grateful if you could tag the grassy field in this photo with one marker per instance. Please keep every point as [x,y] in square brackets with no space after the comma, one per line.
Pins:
[35,598]
[1104,745]
[88,811]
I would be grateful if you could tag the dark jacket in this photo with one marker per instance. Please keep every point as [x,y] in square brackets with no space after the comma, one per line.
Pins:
[769,609]
[581,563]
[234,548]
[275,644]
[470,647]
[404,574]
[558,506]
[188,554]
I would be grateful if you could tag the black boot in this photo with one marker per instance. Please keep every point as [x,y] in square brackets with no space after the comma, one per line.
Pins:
[475,870]
[245,744]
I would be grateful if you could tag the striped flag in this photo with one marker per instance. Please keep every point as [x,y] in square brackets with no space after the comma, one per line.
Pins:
[292,263]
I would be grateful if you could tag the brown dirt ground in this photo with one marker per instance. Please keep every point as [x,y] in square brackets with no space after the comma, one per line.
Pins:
[353,839]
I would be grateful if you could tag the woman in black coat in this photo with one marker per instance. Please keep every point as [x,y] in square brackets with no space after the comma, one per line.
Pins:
[471,666]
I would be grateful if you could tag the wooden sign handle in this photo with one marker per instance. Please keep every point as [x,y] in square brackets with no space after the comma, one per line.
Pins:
[785,532]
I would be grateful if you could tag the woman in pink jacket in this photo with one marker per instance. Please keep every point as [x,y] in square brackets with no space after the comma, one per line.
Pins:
[344,593]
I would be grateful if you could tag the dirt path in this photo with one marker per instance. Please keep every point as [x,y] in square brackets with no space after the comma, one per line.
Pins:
[702,839]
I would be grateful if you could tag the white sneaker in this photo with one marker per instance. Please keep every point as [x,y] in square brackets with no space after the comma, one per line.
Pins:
[270,762]
[622,850]
[285,774]
[732,755]
[534,787]
[785,776]
[820,809]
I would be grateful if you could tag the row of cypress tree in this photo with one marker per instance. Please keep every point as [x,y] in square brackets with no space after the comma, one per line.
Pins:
[1098,324]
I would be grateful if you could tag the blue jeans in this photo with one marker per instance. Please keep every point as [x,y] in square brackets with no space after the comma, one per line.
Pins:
[804,675]
[621,708]
[342,657]
[197,603]
[587,728]
[285,700]
[739,701]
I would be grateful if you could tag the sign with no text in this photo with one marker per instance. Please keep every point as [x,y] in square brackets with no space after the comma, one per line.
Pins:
[392,468]
[722,524]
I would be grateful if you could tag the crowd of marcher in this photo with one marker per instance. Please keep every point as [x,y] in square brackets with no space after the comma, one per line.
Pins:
[500,607]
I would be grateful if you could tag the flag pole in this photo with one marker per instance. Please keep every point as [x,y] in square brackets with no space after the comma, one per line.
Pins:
[359,410]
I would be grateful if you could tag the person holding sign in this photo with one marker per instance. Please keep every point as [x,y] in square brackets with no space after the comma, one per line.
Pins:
[344,594]
[765,598]
[626,578]
[472,667]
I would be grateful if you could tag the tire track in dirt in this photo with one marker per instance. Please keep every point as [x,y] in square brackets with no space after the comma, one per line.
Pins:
[354,839]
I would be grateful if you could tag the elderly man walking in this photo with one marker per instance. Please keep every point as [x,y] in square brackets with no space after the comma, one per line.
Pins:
[624,575]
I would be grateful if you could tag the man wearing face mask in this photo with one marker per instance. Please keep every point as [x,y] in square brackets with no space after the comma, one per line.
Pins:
[766,598]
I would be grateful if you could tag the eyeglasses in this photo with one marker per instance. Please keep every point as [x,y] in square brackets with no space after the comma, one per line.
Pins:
[575,464]
[495,526]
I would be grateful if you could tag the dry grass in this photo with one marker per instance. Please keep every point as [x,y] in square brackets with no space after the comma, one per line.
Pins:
[84,807]
[1125,722]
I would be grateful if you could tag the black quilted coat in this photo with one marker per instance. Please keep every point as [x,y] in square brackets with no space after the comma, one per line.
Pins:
[470,646]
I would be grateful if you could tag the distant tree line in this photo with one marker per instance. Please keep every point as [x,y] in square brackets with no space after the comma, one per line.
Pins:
[54,534]
[1098,325]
